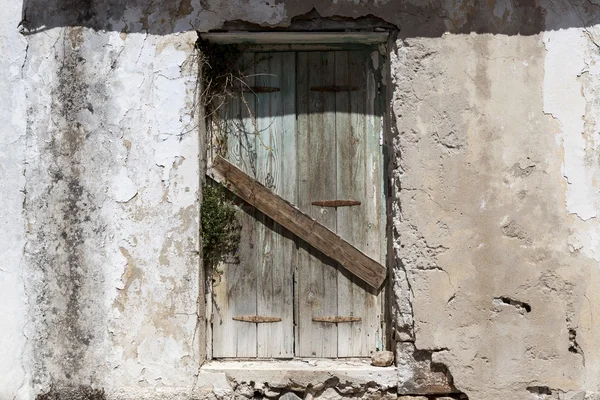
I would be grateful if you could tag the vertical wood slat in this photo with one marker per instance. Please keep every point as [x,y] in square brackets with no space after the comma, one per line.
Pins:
[376,174]
[317,276]
[274,143]
[359,225]
[236,293]
[349,164]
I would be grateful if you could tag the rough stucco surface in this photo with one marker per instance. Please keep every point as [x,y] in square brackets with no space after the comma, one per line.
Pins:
[111,160]
[494,170]
[12,227]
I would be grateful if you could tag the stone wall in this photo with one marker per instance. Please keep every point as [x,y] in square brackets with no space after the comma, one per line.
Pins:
[494,200]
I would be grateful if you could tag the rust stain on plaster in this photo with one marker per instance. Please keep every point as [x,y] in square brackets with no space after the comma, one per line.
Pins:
[188,217]
[163,258]
[131,274]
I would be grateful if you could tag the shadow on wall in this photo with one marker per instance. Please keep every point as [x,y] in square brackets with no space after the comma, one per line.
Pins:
[413,17]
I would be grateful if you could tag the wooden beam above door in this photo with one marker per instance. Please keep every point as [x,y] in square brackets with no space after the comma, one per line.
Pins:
[291,38]
[297,222]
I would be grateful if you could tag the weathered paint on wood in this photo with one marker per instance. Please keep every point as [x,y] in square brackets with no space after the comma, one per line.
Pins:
[236,292]
[306,144]
[275,270]
[316,275]
[355,224]
[296,37]
[298,223]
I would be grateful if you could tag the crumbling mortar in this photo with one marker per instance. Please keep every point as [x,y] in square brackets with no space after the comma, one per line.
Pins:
[395,177]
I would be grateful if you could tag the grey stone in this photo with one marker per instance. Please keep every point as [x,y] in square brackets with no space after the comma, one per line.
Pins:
[382,358]
[290,396]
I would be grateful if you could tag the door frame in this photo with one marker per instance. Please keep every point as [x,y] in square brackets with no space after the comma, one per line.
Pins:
[309,41]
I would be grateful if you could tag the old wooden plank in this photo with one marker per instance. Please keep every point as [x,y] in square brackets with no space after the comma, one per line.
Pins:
[348,142]
[296,37]
[353,224]
[376,174]
[286,186]
[336,319]
[275,278]
[316,274]
[299,223]
[236,292]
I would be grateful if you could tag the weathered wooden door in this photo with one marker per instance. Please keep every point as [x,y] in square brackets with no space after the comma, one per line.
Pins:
[308,126]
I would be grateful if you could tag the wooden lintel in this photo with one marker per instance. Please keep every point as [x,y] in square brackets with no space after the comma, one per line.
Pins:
[336,203]
[299,223]
[256,319]
[278,37]
[336,319]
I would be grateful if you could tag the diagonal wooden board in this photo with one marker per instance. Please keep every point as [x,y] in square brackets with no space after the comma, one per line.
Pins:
[297,222]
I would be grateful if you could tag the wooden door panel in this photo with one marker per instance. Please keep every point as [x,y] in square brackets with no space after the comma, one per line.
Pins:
[316,275]
[275,142]
[310,134]
[235,291]
[357,179]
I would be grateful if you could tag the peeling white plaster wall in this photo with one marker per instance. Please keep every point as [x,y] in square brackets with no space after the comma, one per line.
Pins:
[13,118]
[113,150]
[495,156]
[564,100]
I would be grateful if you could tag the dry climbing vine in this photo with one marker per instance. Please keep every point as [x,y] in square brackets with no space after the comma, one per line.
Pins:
[219,221]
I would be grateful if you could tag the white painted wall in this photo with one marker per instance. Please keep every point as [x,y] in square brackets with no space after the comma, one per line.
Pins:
[13,118]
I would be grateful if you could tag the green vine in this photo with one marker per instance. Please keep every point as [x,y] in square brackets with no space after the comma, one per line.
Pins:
[220,225]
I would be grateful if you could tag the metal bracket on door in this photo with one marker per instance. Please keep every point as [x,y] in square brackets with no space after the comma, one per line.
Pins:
[256,319]
[336,203]
[336,320]
[334,88]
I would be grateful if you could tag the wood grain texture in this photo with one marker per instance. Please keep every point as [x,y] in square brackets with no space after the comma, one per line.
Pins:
[354,224]
[317,275]
[334,88]
[275,272]
[299,223]
[236,292]
[296,37]
[320,150]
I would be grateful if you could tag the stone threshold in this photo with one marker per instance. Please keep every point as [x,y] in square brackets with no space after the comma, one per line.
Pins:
[296,374]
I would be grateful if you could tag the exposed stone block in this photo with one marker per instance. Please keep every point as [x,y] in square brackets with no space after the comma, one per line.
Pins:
[417,374]
[382,358]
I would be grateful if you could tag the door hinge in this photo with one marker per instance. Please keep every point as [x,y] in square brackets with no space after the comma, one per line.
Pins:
[336,203]
[256,319]
[336,319]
